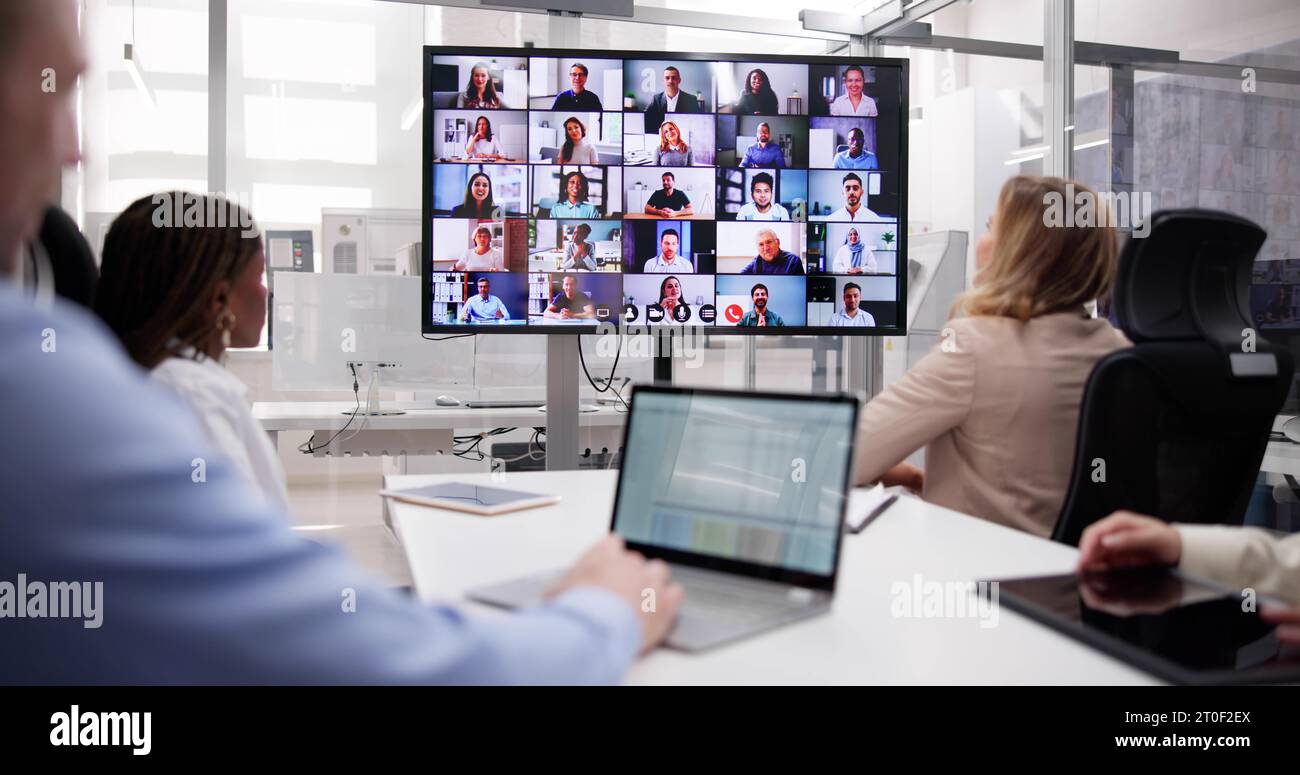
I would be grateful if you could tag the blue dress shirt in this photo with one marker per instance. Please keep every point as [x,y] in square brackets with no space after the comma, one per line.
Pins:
[202,582]
[865,161]
[479,310]
[770,156]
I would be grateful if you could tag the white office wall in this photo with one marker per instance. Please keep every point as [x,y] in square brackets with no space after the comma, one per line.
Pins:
[1201,30]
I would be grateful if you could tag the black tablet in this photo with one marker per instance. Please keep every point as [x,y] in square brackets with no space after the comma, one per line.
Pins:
[1174,627]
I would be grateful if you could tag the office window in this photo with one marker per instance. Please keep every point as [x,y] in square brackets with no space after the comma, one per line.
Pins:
[318,94]
[136,144]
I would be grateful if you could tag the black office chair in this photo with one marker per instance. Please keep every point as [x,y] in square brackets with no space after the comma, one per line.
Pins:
[61,261]
[1176,425]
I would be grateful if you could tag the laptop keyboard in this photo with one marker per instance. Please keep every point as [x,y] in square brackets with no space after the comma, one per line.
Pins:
[723,602]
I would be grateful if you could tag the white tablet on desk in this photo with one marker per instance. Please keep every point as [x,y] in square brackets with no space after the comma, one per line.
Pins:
[474,498]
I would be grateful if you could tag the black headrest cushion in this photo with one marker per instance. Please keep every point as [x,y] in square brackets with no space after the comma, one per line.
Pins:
[1189,278]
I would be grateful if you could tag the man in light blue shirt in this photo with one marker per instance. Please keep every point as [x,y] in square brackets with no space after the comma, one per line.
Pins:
[668,261]
[484,308]
[108,480]
[856,156]
[763,153]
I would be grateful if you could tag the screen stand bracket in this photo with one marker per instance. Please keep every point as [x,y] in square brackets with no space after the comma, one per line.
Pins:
[562,372]
[663,357]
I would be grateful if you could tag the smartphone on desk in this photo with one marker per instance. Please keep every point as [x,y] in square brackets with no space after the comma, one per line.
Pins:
[873,505]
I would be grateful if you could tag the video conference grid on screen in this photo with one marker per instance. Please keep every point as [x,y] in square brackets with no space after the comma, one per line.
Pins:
[579,189]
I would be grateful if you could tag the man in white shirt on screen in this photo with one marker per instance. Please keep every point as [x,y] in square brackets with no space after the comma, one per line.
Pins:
[853,209]
[853,102]
[853,315]
[669,261]
[761,207]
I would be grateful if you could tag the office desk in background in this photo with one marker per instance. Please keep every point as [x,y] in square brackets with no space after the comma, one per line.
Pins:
[859,642]
[1281,457]
[427,430]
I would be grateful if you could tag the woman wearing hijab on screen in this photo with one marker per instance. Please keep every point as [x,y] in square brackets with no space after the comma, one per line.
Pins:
[758,97]
[854,257]
[478,199]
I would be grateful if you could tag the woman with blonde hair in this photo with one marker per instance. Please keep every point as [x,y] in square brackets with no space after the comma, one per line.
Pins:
[673,150]
[996,403]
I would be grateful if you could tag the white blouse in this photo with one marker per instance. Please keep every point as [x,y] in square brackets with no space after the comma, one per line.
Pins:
[485,148]
[473,261]
[843,106]
[844,260]
[219,399]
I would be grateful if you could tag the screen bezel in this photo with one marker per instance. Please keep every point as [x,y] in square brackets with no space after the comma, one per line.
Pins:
[426,226]
[722,564]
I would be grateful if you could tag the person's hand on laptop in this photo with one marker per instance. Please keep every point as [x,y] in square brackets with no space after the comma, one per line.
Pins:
[610,566]
[1128,540]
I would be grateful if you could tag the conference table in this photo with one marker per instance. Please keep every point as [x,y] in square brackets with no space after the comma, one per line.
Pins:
[874,634]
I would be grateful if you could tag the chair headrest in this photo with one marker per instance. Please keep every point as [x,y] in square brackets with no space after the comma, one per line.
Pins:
[72,267]
[1189,278]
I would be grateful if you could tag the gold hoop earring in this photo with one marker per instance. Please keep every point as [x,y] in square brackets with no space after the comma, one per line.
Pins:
[225,323]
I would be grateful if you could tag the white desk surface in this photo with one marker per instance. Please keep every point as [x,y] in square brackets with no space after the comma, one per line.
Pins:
[859,642]
[1281,457]
[329,415]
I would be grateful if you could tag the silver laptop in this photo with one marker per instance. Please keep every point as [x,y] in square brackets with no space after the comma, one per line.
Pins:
[742,493]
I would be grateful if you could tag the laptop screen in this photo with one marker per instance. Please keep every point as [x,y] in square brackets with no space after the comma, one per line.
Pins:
[755,479]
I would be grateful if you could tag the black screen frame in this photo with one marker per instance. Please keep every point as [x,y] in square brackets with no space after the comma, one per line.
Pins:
[773,573]
[428,160]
